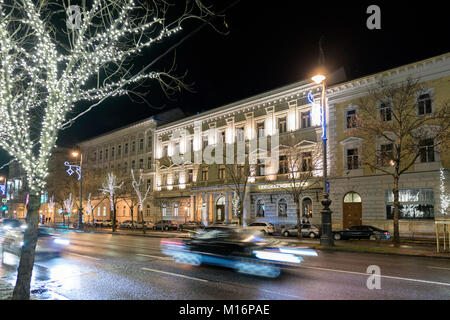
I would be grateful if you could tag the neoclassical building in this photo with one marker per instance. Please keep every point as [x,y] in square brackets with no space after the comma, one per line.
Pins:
[185,159]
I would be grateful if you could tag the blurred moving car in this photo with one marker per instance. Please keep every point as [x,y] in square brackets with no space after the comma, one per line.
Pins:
[263,227]
[239,248]
[108,223]
[361,232]
[308,230]
[97,223]
[11,224]
[49,244]
[190,225]
[165,225]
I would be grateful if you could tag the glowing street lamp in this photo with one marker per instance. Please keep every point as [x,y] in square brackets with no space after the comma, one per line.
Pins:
[327,234]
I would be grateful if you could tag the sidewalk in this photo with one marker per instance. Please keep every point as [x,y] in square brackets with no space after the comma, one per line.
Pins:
[416,248]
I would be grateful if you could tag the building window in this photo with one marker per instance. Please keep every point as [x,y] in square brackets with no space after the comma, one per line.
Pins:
[133,163]
[351,119]
[124,211]
[282,208]
[141,163]
[175,209]
[112,152]
[424,104]
[126,148]
[240,134]
[149,143]
[260,168]
[98,211]
[104,211]
[352,197]
[222,172]
[306,161]
[386,154]
[426,150]
[164,179]
[106,154]
[205,174]
[119,150]
[260,208]
[165,151]
[149,162]
[306,119]
[282,125]
[307,208]
[283,167]
[222,136]
[205,141]
[385,112]
[149,183]
[141,144]
[352,159]
[133,146]
[190,175]
[147,211]
[164,209]
[414,204]
[260,129]
[100,155]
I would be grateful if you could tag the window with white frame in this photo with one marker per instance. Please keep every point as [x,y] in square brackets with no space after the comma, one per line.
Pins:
[175,209]
[426,148]
[352,159]
[385,112]
[260,129]
[104,211]
[350,116]
[282,208]
[414,204]
[424,104]
[240,134]
[282,125]
[386,154]
[164,209]
[147,211]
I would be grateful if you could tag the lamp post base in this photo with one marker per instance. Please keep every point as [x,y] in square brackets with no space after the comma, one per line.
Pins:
[80,219]
[326,239]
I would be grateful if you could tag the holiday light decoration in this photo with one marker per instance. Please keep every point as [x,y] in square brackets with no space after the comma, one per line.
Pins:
[43,75]
[141,192]
[445,194]
[110,186]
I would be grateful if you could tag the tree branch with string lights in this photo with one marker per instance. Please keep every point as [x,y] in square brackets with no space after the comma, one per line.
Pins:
[47,68]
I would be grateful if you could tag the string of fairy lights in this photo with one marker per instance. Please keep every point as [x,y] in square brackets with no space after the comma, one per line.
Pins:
[45,81]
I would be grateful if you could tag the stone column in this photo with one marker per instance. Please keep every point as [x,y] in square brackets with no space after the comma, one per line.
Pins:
[227,207]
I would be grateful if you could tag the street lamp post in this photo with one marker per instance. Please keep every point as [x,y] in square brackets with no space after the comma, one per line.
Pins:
[80,209]
[327,234]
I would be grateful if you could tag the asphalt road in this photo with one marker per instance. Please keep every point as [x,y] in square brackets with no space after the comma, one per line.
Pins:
[113,267]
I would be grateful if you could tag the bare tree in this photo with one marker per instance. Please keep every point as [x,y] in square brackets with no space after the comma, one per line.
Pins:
[142,192]
[110,187]
[68,206]
[238,176]
[399,124]
[301,168]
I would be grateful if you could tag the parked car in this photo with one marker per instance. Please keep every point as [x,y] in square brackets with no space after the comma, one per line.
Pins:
[361,232]
[127,224]
[191,225]
[108,223]
[97,223]
[263,227]
[149,224]
[165,225]
[308,230]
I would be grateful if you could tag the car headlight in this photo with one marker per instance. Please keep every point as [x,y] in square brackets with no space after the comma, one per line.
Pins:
[62,241]
[23,226]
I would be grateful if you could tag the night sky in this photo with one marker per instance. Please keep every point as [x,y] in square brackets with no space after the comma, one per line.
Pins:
[272,44]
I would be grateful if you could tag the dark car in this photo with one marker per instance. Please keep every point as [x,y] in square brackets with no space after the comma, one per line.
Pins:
[237,248]
[191,225]
[361,232]
[165,225]
[49,244]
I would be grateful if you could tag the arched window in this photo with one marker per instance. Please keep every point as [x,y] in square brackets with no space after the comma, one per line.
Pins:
[352,197]
[175,209]
[260,208]
[282,208]
[220,201]
[307,208]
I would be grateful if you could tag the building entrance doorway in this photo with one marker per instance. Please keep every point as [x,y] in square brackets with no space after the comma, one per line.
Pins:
[352,210]
[220,209]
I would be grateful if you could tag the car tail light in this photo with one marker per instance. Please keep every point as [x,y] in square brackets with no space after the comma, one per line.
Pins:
[386,233]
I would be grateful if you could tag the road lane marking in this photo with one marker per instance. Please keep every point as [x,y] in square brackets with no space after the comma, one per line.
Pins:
[438,268]
[150,256]
[80,255]
[382,276]
[175,274]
